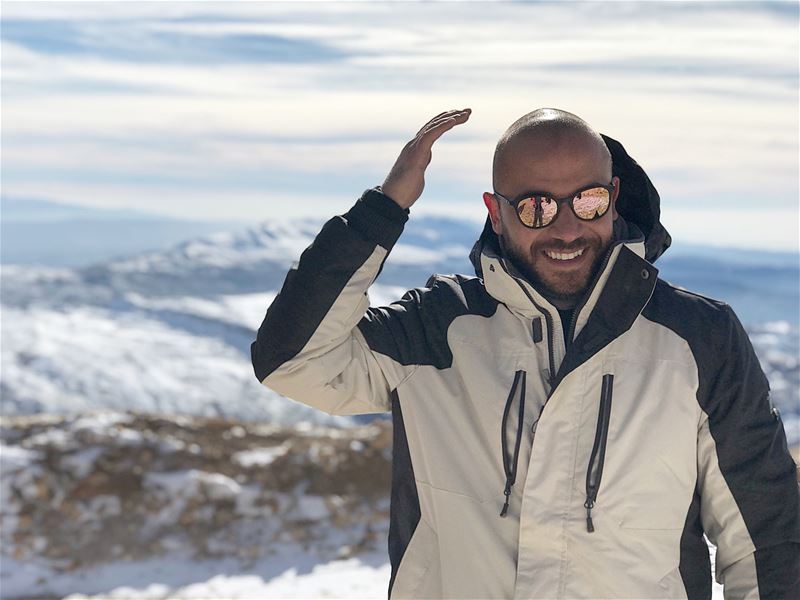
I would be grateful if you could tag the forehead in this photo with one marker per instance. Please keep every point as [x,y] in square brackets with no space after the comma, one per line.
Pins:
[558,164]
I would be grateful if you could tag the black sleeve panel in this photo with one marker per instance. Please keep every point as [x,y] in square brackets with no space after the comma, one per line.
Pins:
[695,562]
[404,503]
[778,573]
[751,445]
[751,442]
[413,330]
[309,290]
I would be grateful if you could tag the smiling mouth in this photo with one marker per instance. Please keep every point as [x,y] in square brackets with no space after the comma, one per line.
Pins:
[564,256]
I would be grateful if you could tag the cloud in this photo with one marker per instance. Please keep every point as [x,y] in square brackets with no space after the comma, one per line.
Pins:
[118,41]
[132,102]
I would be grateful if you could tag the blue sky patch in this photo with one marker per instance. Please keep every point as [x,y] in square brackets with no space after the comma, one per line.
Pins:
[126,42]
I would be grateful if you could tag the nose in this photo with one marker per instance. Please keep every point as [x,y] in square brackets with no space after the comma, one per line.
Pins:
[567,227]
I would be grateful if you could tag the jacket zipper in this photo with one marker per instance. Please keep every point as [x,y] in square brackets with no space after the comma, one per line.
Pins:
[579,307]
[595,470]
[510,464]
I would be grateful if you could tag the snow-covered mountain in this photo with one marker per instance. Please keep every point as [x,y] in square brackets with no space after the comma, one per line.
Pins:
[170,331]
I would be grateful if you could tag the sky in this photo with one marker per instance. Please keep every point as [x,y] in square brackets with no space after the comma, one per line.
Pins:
[272,110]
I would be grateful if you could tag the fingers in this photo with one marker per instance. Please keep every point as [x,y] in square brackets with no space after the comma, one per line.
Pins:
[441,123]
[445,117]
[436,117]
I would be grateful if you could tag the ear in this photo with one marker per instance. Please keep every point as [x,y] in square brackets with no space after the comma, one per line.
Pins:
[614,195]
[493,206]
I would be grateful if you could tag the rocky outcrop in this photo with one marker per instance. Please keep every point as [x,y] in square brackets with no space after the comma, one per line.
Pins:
[80,491]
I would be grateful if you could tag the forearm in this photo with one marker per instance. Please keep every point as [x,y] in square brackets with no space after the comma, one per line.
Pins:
[324,296]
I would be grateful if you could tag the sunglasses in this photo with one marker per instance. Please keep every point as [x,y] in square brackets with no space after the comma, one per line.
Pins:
[537,210]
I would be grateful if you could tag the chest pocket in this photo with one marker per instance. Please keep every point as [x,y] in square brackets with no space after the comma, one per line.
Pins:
[649,472]
[459,423]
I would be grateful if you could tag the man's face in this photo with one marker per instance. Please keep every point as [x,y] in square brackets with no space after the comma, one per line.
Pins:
[558,167]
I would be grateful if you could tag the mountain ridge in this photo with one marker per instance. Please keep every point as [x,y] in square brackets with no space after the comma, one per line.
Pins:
[170,330]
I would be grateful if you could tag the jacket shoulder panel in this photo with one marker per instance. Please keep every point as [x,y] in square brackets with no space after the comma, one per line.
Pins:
[413,330]
[703,322]
[708,325]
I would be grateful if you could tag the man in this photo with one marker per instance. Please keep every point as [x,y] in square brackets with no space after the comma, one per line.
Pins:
[566,424]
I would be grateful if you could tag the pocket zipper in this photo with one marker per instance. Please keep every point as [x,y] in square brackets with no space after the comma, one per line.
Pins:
[595,470]
[510,464]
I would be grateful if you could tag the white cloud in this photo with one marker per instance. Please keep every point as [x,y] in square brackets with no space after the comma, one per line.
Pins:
[705,99]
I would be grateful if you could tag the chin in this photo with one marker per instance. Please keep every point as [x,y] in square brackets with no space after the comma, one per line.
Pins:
[562,284]
[565,292]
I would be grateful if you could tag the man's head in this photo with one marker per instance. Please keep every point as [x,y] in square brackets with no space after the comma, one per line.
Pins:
[554,152]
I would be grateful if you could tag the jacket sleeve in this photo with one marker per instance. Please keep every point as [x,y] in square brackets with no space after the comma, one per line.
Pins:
[750,500]
[309,347]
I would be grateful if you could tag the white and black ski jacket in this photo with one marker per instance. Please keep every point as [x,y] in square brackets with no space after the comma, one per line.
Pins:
[523,469]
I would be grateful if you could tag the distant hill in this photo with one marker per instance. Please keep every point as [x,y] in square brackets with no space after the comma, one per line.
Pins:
[40,232]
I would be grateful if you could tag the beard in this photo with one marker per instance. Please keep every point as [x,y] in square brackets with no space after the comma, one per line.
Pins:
[563,288]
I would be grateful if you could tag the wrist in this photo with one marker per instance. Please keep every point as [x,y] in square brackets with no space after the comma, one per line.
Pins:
[387,207]
[392,195]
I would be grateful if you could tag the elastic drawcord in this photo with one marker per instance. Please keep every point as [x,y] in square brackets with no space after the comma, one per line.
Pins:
[510,467]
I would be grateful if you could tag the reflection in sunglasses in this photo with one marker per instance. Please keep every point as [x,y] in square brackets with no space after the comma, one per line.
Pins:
[541,211]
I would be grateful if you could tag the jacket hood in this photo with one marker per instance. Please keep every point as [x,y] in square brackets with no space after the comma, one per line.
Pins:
[638,206]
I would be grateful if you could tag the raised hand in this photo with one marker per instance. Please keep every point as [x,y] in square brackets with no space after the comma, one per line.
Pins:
[406,180]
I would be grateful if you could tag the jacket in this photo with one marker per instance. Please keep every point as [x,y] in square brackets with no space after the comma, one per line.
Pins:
[608,462]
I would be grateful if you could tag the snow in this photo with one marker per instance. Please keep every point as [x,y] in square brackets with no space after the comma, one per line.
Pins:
[363,577]
[91,358]
[340,579]
[270,241]
[405,254]
[311,508]
[15,457]
[383,295]
[243,310]
[259,457]
[182,485]
[777,327]
[81,463]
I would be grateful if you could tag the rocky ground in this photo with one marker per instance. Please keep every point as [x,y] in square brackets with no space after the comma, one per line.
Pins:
[82,491]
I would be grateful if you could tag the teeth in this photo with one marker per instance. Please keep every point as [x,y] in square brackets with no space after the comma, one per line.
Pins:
[560,256]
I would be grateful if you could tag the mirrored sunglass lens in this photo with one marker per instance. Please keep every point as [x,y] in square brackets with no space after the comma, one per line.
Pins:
[532,217]
[592,203]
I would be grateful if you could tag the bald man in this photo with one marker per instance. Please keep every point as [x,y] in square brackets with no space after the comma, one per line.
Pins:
[566,423]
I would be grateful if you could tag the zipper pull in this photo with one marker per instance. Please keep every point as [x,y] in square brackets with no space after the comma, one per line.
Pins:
[589,504]
[537,330]
[507,492]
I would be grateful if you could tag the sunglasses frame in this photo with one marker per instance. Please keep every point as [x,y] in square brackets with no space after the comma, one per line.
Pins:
[560,202]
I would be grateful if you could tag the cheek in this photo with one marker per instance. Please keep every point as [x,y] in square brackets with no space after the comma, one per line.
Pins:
[600,231]
[605,229]
[533,245]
